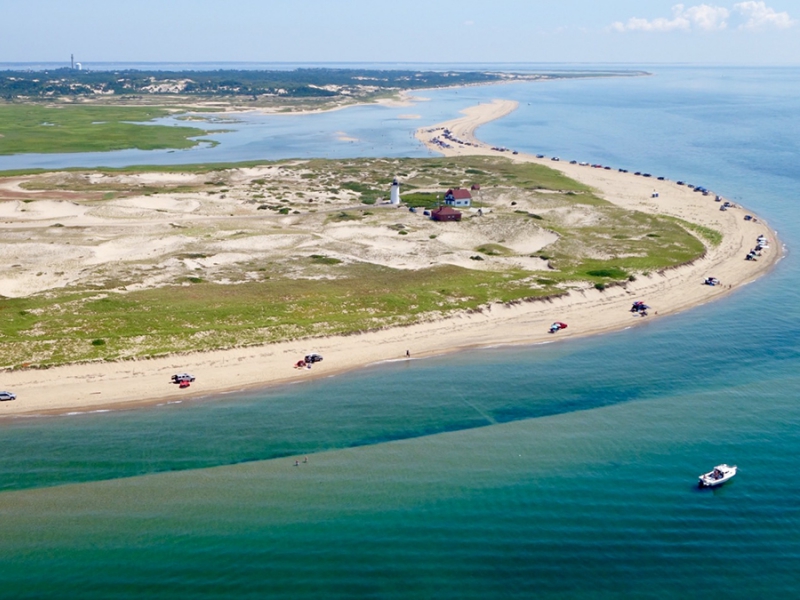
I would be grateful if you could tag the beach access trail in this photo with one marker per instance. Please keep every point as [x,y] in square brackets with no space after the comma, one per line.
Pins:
[125,384]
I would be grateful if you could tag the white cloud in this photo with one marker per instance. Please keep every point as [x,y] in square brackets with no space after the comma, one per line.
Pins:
[704,17]
[759,16]
[678,22]
[708,18]
[469,23]
[660,24]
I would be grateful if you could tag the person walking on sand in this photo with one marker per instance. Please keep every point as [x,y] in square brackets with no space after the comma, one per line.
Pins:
[408,354]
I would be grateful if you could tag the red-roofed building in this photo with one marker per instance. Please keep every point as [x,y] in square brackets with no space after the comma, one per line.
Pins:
[445,213]
[458,197]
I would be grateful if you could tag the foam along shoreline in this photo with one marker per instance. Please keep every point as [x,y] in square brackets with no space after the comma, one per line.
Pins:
[93,386]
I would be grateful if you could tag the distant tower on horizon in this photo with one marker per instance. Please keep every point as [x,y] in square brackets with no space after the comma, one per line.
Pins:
[71,61]
[395,196]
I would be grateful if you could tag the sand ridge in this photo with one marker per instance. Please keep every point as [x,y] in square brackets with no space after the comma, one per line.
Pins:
[587,311]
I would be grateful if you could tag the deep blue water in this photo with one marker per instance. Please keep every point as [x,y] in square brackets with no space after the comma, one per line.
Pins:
[562,470]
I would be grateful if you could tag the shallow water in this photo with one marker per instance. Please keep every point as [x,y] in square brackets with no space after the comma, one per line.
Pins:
[560,470]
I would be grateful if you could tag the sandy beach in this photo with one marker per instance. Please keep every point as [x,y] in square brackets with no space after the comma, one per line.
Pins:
[95,386]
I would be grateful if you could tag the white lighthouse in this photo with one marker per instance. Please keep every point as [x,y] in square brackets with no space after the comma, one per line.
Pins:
[395,196]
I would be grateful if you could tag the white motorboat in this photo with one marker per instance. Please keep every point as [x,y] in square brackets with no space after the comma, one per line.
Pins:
[719,475]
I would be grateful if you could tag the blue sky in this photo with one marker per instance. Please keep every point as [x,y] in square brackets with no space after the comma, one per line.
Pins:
[594,31]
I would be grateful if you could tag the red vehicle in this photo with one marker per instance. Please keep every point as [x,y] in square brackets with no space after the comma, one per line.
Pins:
[184,384]
[557,326]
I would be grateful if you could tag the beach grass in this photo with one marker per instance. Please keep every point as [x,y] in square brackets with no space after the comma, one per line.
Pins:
[494,250]
[712,236]
[35,128]
[58,328]
[328,291]
[55,329]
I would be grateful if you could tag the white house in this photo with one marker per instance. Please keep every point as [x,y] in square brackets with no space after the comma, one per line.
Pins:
[458,197]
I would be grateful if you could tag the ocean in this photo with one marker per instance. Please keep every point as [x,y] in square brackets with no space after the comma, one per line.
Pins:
[564,470]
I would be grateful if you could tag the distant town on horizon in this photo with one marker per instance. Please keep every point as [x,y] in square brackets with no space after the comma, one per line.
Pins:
[297,83]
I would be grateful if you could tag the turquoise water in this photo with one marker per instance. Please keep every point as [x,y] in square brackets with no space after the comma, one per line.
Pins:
[553,471]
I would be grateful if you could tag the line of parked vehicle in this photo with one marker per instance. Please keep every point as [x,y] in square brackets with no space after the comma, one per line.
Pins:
[697,188]
[604,167]
[725,205]
[761,245]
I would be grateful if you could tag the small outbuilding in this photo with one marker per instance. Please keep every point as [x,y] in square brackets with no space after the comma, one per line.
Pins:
[458,197]
[445,213]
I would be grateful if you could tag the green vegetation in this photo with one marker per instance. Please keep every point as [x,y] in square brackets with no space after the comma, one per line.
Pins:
[712,236]
[324,260]
[367,193]
[249,84]
[421,199]
[176,319]
[84,128]
[633,251]
[607,273]
[346,216]
[494,250]
[291,294]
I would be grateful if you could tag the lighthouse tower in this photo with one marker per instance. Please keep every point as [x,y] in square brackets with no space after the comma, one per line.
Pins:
[395,196]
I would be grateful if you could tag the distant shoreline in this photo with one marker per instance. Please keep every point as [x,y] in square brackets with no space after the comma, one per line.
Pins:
[118,120]
[293,85]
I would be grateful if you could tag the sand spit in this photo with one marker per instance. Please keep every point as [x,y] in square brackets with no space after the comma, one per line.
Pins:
[588,311]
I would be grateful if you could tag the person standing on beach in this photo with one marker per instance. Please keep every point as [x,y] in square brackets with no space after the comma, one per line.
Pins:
[408,354]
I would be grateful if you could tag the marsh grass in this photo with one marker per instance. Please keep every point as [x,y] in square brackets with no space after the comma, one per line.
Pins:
[36,128]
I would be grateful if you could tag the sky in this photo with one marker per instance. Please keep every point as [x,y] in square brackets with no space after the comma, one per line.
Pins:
[734,32]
